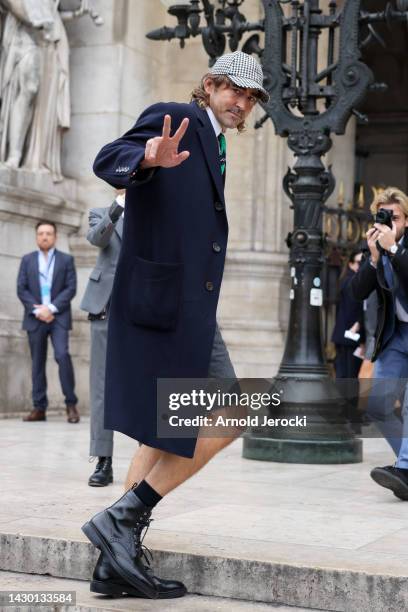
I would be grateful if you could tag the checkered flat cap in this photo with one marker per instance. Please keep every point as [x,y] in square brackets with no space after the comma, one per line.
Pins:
[243,70]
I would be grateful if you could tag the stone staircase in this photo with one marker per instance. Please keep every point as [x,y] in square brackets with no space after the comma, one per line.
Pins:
[237,579]
[242,535]
[89,602]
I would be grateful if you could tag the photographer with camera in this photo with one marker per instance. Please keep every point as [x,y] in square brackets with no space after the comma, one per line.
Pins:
[386,271]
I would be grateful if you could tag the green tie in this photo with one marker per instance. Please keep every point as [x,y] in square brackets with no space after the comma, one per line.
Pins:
[223,152]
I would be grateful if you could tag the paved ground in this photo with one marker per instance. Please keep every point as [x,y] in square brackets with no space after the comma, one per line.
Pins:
[330,512]
[329,516]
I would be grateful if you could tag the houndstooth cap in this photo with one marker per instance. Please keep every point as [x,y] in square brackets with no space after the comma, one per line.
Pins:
[243,70]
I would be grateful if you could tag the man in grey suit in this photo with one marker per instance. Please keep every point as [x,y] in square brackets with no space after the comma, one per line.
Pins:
[105,232]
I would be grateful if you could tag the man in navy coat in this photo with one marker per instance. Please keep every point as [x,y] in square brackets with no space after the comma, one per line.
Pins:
[164,300]
[46,284]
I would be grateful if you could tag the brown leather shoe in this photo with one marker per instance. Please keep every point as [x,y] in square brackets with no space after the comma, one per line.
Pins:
[35,415]
[72,414]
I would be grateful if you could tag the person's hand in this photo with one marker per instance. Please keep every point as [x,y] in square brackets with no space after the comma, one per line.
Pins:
[387,235]
[163,150]
[43,313]
[372,237]
[47,316]
[355,328]
[360,351]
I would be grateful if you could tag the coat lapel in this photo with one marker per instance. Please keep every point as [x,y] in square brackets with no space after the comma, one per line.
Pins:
[209,144]
[36,277]
[57,265]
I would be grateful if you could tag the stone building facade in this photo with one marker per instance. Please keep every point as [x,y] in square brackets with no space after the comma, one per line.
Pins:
[115,73]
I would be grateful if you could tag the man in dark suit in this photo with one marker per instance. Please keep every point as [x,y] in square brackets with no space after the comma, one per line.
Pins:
[105,232]
[349,318]
[46,284]
[162,321]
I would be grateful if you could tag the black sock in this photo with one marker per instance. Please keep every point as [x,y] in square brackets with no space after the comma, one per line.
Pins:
[147,494]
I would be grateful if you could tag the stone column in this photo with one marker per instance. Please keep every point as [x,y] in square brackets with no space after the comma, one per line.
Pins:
[255,293]
[342,157]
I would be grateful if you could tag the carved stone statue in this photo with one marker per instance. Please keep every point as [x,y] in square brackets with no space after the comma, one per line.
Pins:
[34,83]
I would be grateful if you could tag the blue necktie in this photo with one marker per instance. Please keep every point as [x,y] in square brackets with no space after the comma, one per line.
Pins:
[223,154]
[388,273]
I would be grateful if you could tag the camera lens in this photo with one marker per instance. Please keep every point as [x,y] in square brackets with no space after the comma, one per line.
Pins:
[381,216]
[384,216]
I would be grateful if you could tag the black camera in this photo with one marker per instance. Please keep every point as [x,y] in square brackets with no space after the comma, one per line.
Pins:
[384,217]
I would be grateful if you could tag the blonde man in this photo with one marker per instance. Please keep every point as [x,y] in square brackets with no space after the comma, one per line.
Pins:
[386,271]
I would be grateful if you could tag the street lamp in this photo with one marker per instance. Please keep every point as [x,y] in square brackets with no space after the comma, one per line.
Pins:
[306,105]
[222,21]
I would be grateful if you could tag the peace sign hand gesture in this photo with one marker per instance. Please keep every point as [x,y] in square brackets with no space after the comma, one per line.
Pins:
[163,150]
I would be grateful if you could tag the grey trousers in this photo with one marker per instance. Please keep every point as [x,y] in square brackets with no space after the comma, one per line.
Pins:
[220,362]
[101,438]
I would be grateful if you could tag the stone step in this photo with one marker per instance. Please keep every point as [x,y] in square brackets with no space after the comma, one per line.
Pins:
[85,601]
[249,574]
[312,536]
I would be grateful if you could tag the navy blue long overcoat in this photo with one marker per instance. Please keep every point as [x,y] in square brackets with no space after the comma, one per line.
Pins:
[168,279]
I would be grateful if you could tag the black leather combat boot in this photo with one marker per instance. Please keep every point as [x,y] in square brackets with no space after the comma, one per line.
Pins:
[103,474]
[117,532]
[106,582]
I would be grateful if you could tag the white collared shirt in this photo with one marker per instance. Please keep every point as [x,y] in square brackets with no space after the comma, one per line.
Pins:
[45,273]
[402,315]
[214,121]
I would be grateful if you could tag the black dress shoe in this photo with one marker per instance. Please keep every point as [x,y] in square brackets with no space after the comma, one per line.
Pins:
[103,474]
[392,478]
[117,532]
[106,582]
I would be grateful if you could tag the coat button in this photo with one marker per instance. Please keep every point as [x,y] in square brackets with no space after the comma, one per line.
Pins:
[216,247]
[218,206]
[209,286]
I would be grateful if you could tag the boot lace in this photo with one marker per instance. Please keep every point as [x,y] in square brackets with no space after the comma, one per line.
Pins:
[103,464]
[139,533]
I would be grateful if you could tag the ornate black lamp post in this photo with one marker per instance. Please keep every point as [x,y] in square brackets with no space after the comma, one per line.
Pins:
[306,106]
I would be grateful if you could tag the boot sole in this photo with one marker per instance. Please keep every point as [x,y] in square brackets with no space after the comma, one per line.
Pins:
[113,589]
[389,481]
[97,484]
[99,542]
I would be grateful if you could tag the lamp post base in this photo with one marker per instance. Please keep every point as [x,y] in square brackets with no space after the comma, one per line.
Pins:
[263,448]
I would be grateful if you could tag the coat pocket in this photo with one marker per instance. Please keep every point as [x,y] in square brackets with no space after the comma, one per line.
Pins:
[154,292]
